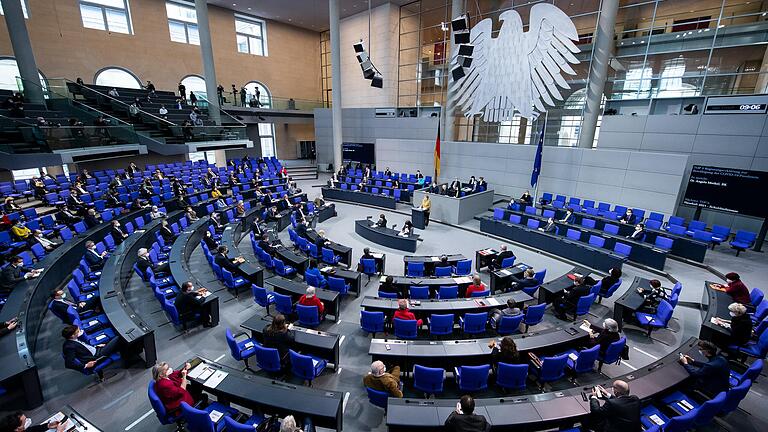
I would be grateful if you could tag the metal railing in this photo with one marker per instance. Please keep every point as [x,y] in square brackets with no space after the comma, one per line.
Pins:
[202,102]
[209,133]
[275,103]
[79,137]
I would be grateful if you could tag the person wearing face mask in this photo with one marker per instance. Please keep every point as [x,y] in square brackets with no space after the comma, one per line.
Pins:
[81,356]
[118,235]
[711,377]
[171,387]
[39,238]
[740,324]
[638,234]
[145,262]
[18,422]
[59,304]
[735,288]
[568,218]
[14,273]
[605,335]
[94,259]
[628,217]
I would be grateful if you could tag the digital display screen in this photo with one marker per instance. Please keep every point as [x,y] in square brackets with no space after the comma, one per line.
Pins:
[364,153]
[729,190]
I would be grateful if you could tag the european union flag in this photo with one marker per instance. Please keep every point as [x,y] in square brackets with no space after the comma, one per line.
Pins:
[537,160]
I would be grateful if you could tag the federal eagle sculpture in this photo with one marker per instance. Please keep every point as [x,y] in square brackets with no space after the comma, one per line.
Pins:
[518,71]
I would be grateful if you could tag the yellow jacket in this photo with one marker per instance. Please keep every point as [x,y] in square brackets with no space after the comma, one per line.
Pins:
[215,194]
[426,203]
[21,232]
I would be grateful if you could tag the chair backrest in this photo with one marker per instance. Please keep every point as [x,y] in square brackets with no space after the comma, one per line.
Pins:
[553,368]
[387,295]
[157,404]
[308,315]
[197,420]
[475,322]
[442,271]
[372,321]
[509,324]
[415,269]
[233,348]
[753,371]
[533,223]
[498,213]
[695,225]
[734,397]
[681,423]
[586,360]
[418,292]
[328,255]
[676,220]
[530,210]
[548,213]
[664,243]
[664,312]
[653,224]
[756,296]
[377,398]
[534,314]
[267,358]
[760,329]
[573,234]
[337,284]
[622,249]
[611,229]
[283,303]
[441,323]
[405,329]
[427,379]
[474,377]
[613,352]
[745,236]
[596,241]
[302,365]
[512,376]
[704,236]
[448,292]
[762,311]
[515,219]
[709,409]
[369,266]
[582,306]
[676,229]
[588,223]
[539,276]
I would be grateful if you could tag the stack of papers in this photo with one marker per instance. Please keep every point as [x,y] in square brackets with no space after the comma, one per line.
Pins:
[656,419]
[59,416]
[435,259]
[585,327]
[215,415]
[201,371]
[216,379]
[462,280]
[505,272]
[326,269]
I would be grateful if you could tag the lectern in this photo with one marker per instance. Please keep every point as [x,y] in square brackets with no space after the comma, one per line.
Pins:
[417,218]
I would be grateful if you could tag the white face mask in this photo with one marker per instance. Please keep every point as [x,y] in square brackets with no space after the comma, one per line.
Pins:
[79,333]
[27,423]
[63,295]
[733,314]
[170,370]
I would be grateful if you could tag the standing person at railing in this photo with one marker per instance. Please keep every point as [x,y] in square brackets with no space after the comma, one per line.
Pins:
[192,98]
[257,98]
[182,91]
[220,94]
[243,95]
[234,95]
[150,88]
[114,93]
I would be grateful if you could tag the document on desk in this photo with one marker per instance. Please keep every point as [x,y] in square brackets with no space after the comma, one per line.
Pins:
[505,272]
[326,269]
[201,371]
[378,255]
[58,417]
[434,259]
[462,280]
[586,327]
[216,379]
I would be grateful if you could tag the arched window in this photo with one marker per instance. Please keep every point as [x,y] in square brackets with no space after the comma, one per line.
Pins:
[195,84]
[8,73]
[265,97]
[117,77]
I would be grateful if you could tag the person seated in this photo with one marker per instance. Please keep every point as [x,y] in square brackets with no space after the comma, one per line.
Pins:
[505,352]
[566,301]
[735,288]
[272,215]
[39,238]
[510,310]
[382,222]
[59,304]
[93,258]
[472,183]
[407,229]
[653,296]
[550,227]
[20,231]
[222,260]
[81,356]
[118,235]
[740,324]
[476,286]
[569,217]
[277,335]
[155,213]
[10,206]
[215,221]
[607,282]
[528,281]
[638,234]
[321,241]
[92,219]
[503,254]
[711,377]
[404,313]
[526,198]
[388,172]
[216,193]
[628,217]
[144,262]
[419,175]
[14,273]
[266,245]
[464,419]
[301,229]
[481,184]
[167,233]
[311,299]
[619,413]
[443,262]
[603,336]
[434,187]
[388,286]
[333,182]
[209,241]
[67,216]
[191,215]
[171,387]
[8,326]
[455,186]
[18,422]
[381,380]
[188,302]
[361,187]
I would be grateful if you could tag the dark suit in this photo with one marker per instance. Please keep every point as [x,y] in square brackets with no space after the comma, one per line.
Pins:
[59,307]
[711,377]
[524,283]
[301,230]
[94,260]
[568,218]
[282,341]
[604,338]
[145,263]
[268,248]
[217,225]
[550,228]
[224,262]
[210,242]
[628,219]
[496,264]
[382,222]
[467,423]
[638,235]
[187,304]
[76,354]
[117,235]
[91,221]
[741,329]
[619,414]
[167,235]
[570,298]
[10,276]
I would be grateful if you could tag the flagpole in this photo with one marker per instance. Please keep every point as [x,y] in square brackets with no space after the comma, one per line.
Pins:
[543,131]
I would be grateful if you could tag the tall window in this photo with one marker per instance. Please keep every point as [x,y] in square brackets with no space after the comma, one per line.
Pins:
[251,35]
[109,15]
[267,137]
[265,98]
[182,23]
[9,71]
[116,77]
[196,85]
[23,9]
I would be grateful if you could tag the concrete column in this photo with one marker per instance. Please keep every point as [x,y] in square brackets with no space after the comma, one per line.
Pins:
[457,8]
[209,68]
[598,71]
[334,12]
[22,50]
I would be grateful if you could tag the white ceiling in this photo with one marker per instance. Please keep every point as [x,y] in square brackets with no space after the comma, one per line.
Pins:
[308,14]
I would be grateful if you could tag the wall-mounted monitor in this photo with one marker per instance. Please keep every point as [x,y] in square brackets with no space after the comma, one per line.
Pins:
[364,153]
[730,190]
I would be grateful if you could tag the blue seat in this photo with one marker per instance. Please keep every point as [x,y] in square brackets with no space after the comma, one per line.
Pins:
[282,269]
[388,295]
[306,367]
[511,376]
[622,249]
[658,320]
[534,315]
[750,374]
[262,297]
[756,349]
[441,324]
[612,353]
[369,266]
[547,214]
[664,243]
[473,323]
[498,213]
[756,296]
[682,404]
[405,329]
[415,269]
[509,324]
[283,304]
[313,277]
[703,236]
[327,256]
[743,240]
[653,224]
[338,285]
[734,397]
[442,271]
[533,223]
[268,359]
[596,241]
[675,424]
[515,219]
[587,223]
[158,406]
[485,293]
[611,229]
[309,316]
[429,380]
[530,210]
[584,359]
[448,292]
[760,312]
[694,226]
[463,268]
[583,304]
[508,262]
[377,398]
[243,350]
[611,290]
[720,233]
[552,368]
[573,234]
[233,282]
[200,421]
[418,292]
[372,322]
[472,378]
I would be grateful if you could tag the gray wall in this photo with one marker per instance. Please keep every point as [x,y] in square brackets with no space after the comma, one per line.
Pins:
[726,140]
[636,179]
[360,125]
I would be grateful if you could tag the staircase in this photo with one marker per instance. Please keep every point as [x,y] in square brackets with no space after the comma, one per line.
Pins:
[302,172]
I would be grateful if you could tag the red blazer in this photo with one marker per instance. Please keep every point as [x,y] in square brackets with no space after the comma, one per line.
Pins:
[739,292]
[170,392]
[474,288]
[406,315]
[314,301]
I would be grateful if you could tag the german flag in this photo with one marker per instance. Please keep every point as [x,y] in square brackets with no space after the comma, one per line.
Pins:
[437,153]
